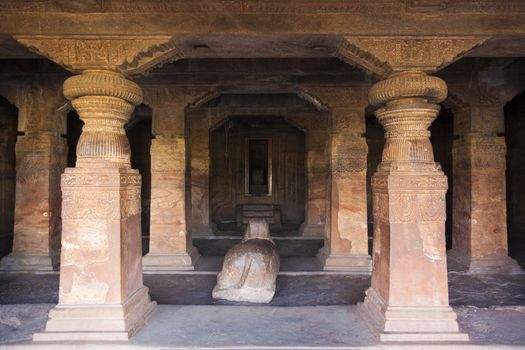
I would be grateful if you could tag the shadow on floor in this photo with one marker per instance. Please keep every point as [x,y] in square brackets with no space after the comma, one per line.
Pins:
[188,289]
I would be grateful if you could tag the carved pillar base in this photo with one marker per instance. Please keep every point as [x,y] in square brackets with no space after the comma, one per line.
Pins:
[410,324]
[170,263]
[459,262]
[351,263]
[408,299]
[312,230]
[116,322]
[29,263]
[101,292]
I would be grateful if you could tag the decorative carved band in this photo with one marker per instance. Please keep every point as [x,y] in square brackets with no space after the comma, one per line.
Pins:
[131,55]
[348,155]
[104,100]
[113,205]
[384,55]
[98,180]
[406,85]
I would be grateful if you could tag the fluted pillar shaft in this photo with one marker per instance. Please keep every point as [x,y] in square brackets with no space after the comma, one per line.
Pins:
[101,293]
[408,298]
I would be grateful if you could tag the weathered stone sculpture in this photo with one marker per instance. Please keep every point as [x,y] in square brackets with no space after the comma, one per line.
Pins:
[250,268]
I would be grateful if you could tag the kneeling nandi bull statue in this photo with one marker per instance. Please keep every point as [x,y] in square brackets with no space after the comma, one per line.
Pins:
[250,268]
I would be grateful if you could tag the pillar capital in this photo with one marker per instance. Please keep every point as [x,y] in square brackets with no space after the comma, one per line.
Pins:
[347,105]
[126,54]
[104,100]
[386,55]
[38,102]
[478,111]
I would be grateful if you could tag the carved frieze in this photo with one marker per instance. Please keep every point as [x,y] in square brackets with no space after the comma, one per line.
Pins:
[263,6]
[384,55]
[419,183]
[127,54]
[348,155]
[99,180]
[111,205]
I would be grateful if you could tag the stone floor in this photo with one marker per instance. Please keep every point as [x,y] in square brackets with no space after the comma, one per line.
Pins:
[293,288]
[320,311]
[227,327]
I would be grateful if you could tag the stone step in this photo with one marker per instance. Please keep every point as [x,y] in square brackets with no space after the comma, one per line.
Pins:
[258,214]
[258,207]
[287,246]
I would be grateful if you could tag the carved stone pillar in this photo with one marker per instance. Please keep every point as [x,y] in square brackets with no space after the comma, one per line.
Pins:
[102,296]
[346,243]
[479,236]
[40,159]
[170,237]
[409,216]
[408,298]
[101,291]
[200,175]
[316,168]
[170,247]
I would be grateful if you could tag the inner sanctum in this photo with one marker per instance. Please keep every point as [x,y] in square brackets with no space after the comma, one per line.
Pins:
[141,140]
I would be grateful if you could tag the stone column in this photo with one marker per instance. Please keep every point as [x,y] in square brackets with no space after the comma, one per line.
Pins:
[101,292]
[408,297]
[316,168]
[479,236]
[40,159]
[200,175]
[101,296]
[170,237]
[346,242]
[170,247]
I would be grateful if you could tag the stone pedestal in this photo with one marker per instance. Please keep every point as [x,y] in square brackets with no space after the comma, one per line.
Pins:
[40,159]
[479,236]
[101,295]
[408,298]
[170,246]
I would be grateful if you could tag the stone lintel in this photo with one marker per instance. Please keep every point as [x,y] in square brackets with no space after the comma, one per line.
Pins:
[126,54]
[338,96]
[386,55]
[169,107]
